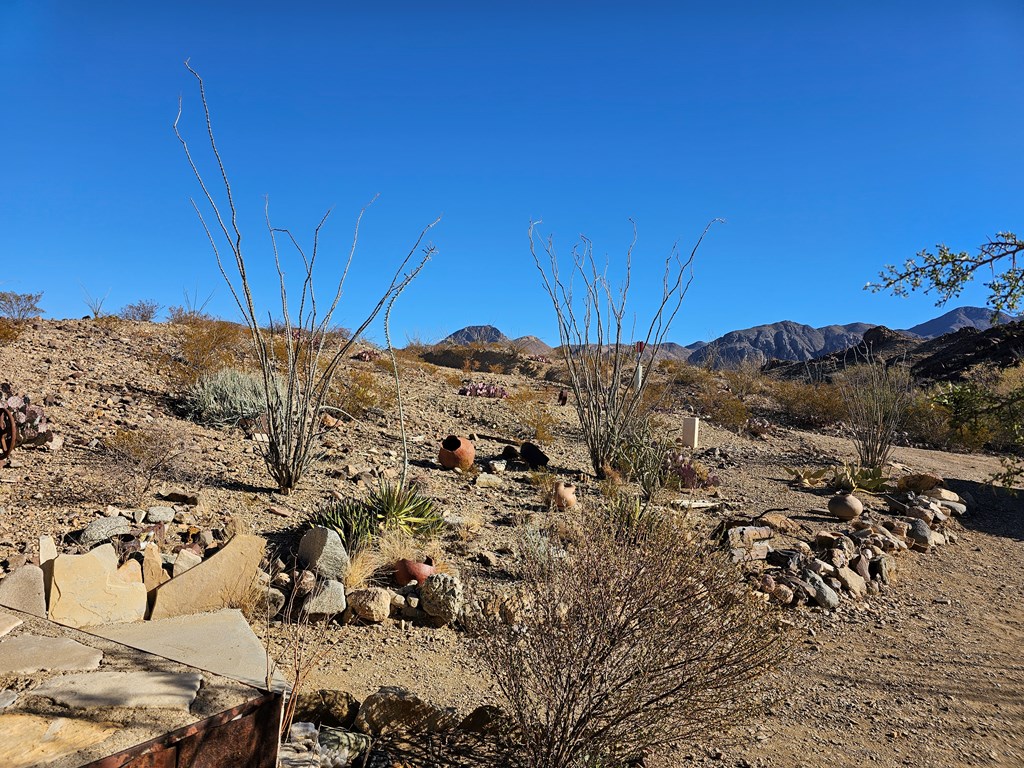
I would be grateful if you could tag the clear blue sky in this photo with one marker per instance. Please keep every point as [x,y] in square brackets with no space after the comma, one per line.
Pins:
[832,137]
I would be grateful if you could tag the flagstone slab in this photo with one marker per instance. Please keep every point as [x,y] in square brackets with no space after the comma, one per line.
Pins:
[221,642]
[8,622]
[88,589]
[25,654]
[222,580]
[31,740]
[136,690]
[23,590]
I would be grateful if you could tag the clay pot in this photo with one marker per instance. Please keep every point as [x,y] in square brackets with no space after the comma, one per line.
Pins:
[456,452]
[564,496]
[411,570]
[845,506]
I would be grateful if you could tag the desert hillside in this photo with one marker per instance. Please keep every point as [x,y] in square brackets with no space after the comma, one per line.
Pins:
[914,660]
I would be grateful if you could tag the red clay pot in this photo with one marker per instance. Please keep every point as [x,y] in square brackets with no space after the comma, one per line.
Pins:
[410,570]
[456,452]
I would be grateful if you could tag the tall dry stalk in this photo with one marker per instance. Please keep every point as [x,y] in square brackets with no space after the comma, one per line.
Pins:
[877,397]
[604,365]
[299,363]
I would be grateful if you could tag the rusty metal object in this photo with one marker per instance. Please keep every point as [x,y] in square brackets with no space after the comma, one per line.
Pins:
[8,432]
[245,735]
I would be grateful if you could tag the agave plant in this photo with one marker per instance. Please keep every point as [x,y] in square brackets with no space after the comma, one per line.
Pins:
[806,478]
[390,506]
[848,478]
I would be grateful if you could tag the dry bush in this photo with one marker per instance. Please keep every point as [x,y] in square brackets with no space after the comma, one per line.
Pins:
[358,392]
[205,346]
[876,397]
[532,414]
[471,525]
[745,380]
[723,408]
[10,330]
[19,306]
[136,459]
[635,642]
[810,406]
[142,311]
[363,565]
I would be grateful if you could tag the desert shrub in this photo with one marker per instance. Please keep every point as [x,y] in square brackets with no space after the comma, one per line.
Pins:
[876,398]
[10,330]
[206,346]
[641,457]
[142,311]
[356,393]
[224,397]
[138,458]
[532,415]
[388,507]
[633,643]
[745,379]
[810,406]
[724,409]
[20,306]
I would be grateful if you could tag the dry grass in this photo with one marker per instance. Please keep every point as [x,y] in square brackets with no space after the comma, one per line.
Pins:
[363,564]
[205,346]
[532,414]
[471,525]
[394,544]
[359,391]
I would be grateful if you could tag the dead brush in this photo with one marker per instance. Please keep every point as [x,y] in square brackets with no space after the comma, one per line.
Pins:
[137,459]
[532,414]
[358,392]
[363,566]
[204,346]
[10,330]
[470,527]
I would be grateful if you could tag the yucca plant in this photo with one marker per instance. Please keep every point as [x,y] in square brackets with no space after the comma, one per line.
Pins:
[389,506]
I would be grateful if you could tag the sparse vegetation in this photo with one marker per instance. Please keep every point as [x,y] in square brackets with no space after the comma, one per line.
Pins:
[142,311]
[388,507]
[226,396]
[20,306]
[611,664]
[138,458]
[876,398]
[604,368]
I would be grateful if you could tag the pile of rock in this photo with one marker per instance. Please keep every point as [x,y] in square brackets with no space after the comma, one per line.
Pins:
[128,570]
[319,592]
[332,729]
[819,569]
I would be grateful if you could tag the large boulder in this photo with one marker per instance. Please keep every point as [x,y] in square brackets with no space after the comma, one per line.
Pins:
[322,551]
[395,710]
[371,604]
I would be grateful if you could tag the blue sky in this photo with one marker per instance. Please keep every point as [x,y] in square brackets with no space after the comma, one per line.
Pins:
[833,138]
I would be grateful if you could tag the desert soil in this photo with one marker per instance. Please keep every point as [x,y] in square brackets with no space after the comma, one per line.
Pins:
[927,674]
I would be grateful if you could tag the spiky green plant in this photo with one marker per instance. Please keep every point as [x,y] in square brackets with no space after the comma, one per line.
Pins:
[389,506]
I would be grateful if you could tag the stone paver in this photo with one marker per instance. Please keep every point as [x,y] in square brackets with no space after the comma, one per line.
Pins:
[222,643]
[226,578]
[88,590]
[8,622]
[26,654]
[23,590]
[147,690]
[31,740]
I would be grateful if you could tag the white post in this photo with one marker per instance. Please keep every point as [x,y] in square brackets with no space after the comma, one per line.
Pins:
[691,428]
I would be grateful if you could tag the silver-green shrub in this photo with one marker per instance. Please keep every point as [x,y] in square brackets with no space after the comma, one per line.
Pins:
[224,397]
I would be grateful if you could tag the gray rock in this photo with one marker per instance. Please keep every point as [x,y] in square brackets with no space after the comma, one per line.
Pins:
[7,697]
[273,601]
[23,590]
[325,602]
[323,553]
[156,515]
[955,507]
[104,528]
[441,597]
[150,690]
[26,654]
[371,604]
[919,534]
[824,595]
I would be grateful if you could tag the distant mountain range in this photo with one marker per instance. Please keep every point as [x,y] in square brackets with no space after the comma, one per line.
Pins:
[784,340]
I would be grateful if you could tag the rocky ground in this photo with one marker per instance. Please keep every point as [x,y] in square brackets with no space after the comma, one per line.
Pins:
[927,673]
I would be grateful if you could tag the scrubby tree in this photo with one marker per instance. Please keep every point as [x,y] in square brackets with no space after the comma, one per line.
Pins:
[20,306]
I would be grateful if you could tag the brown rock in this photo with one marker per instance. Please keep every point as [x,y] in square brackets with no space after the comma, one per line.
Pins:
[220,581]
[88,590]
[23,590]
[371,604]
[395,710]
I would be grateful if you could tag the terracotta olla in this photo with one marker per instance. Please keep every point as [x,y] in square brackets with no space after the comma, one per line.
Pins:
[845,506]
[411,570]
[456,452]
[565,496]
